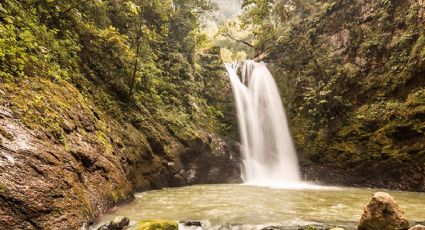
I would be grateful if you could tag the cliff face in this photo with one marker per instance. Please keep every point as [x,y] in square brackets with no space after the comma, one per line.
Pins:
[352,75]
[102,99]
[65,159]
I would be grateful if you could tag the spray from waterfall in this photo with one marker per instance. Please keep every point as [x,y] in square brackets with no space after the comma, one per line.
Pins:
[269,157]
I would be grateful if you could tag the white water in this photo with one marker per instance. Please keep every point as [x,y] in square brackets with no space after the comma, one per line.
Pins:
[269,157]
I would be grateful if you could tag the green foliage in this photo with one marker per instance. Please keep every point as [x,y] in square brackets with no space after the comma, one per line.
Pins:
[268,18]
[143,54]
[236,38]
[258,16]
[353,89]
[30,48]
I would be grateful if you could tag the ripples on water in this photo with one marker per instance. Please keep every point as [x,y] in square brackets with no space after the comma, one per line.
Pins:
[251,205]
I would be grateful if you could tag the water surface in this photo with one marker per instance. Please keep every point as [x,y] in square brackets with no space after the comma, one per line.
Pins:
[252,205]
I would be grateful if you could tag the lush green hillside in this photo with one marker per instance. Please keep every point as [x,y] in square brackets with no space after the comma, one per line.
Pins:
[99,99]
[352,75]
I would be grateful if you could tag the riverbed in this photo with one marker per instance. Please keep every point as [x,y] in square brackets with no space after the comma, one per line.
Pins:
[250,207]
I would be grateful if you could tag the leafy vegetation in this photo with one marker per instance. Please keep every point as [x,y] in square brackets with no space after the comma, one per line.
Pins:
[350,73]
[131,52]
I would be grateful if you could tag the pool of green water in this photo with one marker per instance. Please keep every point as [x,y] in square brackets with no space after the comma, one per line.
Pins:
[243,205]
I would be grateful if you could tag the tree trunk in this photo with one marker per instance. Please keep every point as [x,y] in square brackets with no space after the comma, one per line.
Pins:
[136,61]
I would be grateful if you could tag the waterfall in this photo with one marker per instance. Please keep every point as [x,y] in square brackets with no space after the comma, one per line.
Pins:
[269,157]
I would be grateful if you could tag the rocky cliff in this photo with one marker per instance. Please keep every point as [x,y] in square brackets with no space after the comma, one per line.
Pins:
[352,75]
[64,159]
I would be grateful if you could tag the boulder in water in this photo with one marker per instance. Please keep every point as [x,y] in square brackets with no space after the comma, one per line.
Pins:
[313,227]
[116,224]
[157,225]
[188,223]
[271,228]
[191,225]
[382,212]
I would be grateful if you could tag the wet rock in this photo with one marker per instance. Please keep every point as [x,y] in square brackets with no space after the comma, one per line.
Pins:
[192,225]
[382,212]
[417,227]
[68,126]
[313,227]
[117,224]
[212,163]
[42,181]
[87,122]
[177,180]
[271,228]
[174,167]
[156,145]
[390,174]
[98,164]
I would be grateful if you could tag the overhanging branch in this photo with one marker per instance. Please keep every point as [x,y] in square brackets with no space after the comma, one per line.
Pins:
[238,40]
[261,57]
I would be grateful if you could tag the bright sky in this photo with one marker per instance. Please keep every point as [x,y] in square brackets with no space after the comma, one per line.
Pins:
[227,10]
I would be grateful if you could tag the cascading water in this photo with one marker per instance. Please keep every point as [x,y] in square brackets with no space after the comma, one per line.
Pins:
[269,157]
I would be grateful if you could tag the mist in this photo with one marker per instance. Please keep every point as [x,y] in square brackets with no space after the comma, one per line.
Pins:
[227,9]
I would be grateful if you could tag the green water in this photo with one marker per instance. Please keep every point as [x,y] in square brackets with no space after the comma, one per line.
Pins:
[251,205]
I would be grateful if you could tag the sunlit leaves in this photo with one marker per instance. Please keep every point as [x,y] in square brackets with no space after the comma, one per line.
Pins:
[133,8]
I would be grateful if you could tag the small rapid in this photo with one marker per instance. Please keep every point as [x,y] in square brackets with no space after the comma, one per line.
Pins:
[269,156]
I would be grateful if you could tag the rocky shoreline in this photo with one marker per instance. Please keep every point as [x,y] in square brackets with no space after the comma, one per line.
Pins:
[393,175]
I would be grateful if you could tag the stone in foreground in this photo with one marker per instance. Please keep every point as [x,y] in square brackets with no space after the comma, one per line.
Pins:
[117,224]
[418,227]
[192,225]
[382,212]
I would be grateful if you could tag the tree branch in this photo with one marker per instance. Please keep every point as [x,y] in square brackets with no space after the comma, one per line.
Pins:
[75,5]
[261,57]
[238,40]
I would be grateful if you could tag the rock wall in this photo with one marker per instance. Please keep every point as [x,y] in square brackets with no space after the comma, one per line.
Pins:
[352,76]
[65,157]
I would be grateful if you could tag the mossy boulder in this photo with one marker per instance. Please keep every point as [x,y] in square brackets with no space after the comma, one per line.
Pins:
[157,225]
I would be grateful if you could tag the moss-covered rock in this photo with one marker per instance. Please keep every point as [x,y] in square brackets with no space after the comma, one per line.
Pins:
[157,225]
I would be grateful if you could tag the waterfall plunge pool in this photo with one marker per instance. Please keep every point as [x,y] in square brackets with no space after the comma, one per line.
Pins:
[269,159]
[253,207]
